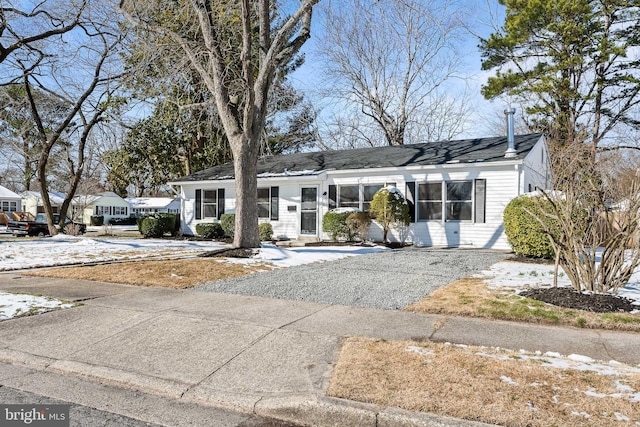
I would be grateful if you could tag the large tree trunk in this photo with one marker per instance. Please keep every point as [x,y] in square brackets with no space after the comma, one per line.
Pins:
[245,169]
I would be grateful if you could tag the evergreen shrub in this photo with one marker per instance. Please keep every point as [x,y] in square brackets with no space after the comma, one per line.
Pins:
[210,230]
[266,231]
[524,232]
[228,222]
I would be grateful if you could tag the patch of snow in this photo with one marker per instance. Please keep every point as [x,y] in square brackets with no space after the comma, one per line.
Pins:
[508,380]
[580,414]
[513,277]
[580,358]
[420,350]
[593,393]
[289,257]
[63,249]
[13,305]
[620,417]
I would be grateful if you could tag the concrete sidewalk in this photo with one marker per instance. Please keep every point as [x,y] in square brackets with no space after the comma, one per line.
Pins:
[268,357]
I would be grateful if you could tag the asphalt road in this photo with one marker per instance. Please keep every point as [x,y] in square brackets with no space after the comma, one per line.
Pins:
[84,416]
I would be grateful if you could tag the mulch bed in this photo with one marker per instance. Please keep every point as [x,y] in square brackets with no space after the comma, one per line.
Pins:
[569,298]
[229,253]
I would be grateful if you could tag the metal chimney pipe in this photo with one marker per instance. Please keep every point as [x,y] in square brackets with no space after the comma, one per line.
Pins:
[511,146]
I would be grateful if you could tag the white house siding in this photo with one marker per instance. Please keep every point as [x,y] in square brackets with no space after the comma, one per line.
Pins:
[504,181]
[536,169]
[502,184]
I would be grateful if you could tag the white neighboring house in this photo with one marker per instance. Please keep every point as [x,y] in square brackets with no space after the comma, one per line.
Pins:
[456,190]
[141,206]
[9,201]
[32,201]
[107,204]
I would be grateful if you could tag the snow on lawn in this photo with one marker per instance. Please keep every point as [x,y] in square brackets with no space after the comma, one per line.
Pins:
[14,305]
[516,276]
[289,257]
[20,253]
[62,249]
[16,254]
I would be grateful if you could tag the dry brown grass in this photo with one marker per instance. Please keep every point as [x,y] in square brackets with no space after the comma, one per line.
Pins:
[458,382]
[177,274]
[472,297]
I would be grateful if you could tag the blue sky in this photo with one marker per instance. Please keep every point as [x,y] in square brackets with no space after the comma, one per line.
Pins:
[485,113]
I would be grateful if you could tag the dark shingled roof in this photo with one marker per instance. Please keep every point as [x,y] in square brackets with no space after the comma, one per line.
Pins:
[432,153]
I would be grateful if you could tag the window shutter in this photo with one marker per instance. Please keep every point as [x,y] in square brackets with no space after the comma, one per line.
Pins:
[96,209]
[410,193]
[480,199]
[220,202]
[333,197]
[275,194]
[198,204]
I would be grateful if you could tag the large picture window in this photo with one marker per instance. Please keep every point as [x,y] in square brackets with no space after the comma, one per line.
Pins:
[452,201]
[353,196]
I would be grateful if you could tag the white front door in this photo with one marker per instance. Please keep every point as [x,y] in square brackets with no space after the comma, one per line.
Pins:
[309,211]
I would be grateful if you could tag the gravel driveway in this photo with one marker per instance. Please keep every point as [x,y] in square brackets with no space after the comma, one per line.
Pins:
[389,280]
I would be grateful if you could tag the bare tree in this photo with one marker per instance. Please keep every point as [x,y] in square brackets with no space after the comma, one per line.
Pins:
[24,26]
[592,223]
[391,59]
[80,73]
[238,49]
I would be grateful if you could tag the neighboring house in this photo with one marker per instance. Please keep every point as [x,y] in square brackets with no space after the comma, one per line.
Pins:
[456,190]
[32,201]
[9,201]
[141,206]
[107,204]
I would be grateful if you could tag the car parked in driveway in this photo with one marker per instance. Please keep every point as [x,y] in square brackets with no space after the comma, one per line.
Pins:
[40,228]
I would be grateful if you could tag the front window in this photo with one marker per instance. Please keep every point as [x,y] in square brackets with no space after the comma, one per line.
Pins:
[430,201]
[459,203]
[9,206]
[119,210]
[264,203]
[367,195]
[349,196]
[210,203]
[102,210]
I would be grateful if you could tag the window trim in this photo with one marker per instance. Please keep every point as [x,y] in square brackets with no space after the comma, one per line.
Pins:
[478,189]
[214,203]
[334,197]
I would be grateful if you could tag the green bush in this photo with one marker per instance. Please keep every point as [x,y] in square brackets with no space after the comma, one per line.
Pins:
[524,232]
[334,223]
[97,220]
[389,209]
[170,223]
[228,222]
[151,227]
[210,230]
[358,224]
[266,231]
[139,223]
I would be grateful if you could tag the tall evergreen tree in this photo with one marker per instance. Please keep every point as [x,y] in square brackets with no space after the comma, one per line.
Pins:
[574,65]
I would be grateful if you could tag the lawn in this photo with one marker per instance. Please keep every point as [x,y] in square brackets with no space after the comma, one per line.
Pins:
[489,385]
